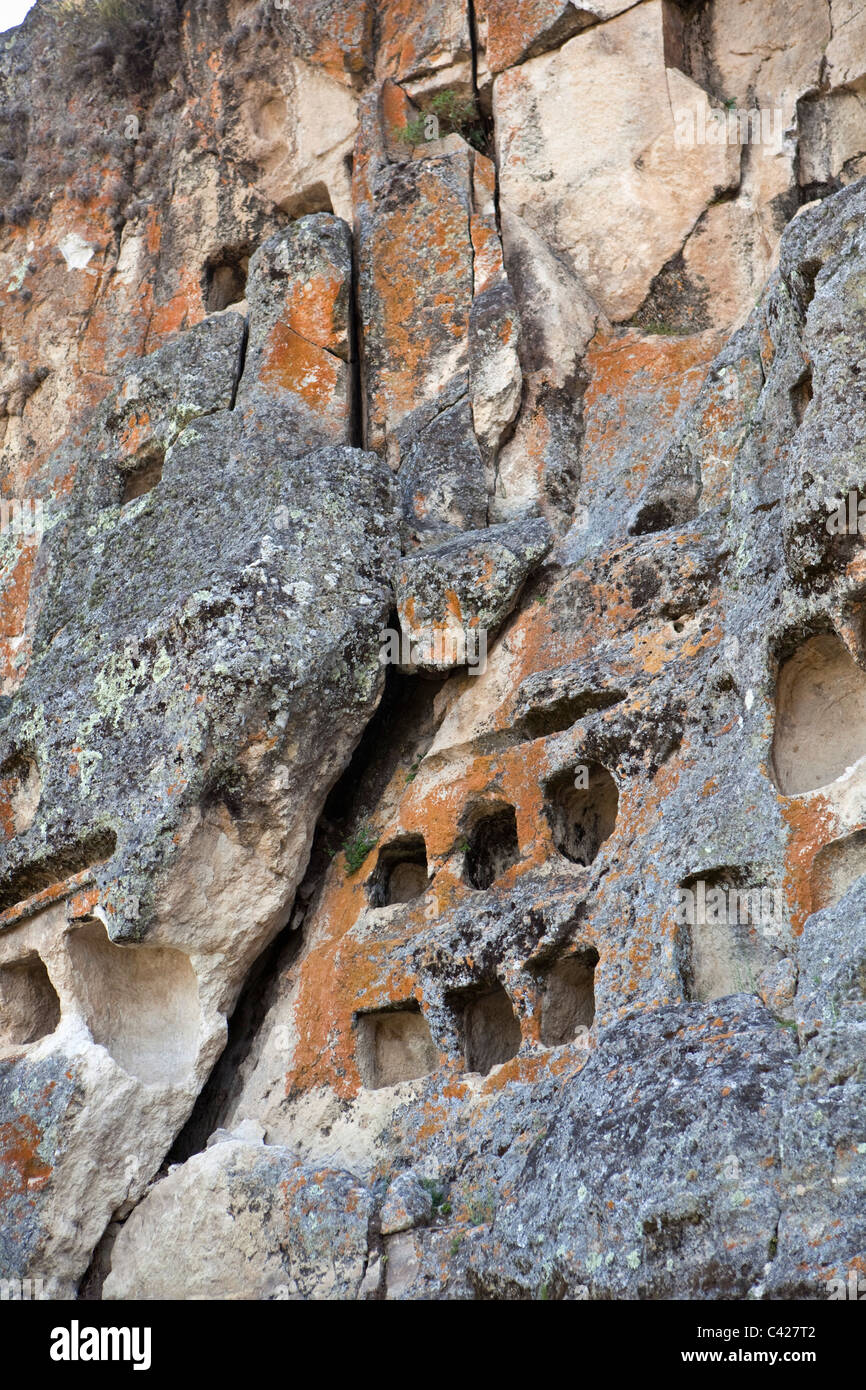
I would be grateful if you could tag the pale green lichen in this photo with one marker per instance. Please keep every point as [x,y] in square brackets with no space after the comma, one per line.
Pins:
[161,666]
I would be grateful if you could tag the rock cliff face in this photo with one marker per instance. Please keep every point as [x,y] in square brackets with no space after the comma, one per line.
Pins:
[433,649]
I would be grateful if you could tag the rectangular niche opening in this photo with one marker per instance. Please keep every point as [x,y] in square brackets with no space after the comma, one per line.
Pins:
[144,475]
[401,872]
[29,1006]
[394,1045]
[568,1003]
[732,930]
[489,1027]
[492,846]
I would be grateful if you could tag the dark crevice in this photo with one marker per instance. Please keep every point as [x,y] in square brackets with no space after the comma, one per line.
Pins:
[487,1025]
[53,868]
[145,474]
[401,872]
[356,414]
[224,277]
[554,718]
[241,363]
[801,396]
[561,714]
[225,1082]
[391,735]
[492,846]
[403,722]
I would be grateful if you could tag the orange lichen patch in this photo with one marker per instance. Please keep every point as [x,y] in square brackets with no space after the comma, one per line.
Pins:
[437,809]
[293,364]
[813,823]
[537,645]
[135,433]
[339,36]
[767,347]
[343,974]
[397,110]
[329,980]
[153,232]
[311,310]
[184,309]
[636,387]
[855,570]
[64,888]
[527,1070]
[422,252]
[14,601]
[8,788]
[81,904]
[487,264]
[410,37]
[22,1169]
[523,770]
[483,184]
[513,26]
[16,590]
[653,650]
[452,605]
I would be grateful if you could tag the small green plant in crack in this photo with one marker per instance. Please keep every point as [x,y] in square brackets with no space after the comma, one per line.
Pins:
[480,1208]
[456,1244]
[438,1196]
[413,770]
[414,132]
[454,115]
[659,329]
[357,847]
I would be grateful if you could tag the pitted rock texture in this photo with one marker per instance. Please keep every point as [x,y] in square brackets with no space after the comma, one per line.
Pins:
[463,586]
[325,975]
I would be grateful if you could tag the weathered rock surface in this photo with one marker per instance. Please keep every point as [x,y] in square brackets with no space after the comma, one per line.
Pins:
[189,644]
[307,1240]
[568,123]
[541,979]
[299,346]
[464,586]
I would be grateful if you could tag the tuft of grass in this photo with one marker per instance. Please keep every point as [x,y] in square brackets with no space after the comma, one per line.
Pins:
[357,847]
[660,329]
[438,1196]
[412,133]
[480,1208]
[455,115]
[413,770]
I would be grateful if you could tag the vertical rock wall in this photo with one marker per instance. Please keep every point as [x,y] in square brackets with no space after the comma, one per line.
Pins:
[433,652]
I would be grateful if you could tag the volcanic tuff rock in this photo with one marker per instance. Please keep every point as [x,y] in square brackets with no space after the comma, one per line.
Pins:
[325,980]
